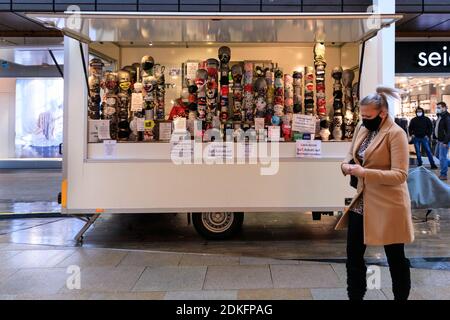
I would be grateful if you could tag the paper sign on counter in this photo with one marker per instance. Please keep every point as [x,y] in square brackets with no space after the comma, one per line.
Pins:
[304,123]
[103,129]
[109,147]
[137,101]
[179,124]
[259,124]
[93,131]
[308,148]
[165,131]
[140,124]
[274,133]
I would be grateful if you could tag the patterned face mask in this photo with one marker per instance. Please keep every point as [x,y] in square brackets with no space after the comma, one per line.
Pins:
[125,85]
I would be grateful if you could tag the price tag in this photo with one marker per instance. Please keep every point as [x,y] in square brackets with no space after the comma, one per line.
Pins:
[137,101]
[308,148]
[304,123]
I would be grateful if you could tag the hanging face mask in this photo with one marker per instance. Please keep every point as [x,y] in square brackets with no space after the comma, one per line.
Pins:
[372,124]
[419,114]
[125,86]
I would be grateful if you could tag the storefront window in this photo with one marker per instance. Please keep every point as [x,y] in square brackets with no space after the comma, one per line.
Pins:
[39,117]
[422,91]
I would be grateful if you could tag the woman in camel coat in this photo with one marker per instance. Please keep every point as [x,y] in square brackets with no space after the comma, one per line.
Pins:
[380,213]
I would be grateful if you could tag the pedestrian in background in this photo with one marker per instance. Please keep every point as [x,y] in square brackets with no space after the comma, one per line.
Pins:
[420,129]
[442,135]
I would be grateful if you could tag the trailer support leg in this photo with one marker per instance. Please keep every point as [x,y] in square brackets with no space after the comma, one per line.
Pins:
[89,221]
[428,213]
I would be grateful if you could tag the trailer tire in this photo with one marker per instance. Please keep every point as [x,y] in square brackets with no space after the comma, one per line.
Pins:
[317,216]
[217,225]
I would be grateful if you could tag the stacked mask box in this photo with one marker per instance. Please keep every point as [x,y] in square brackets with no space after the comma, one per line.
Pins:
[337,103]
[110,102]
[94,82]
[248,99]
[347,80]
[224,58]
[278,100]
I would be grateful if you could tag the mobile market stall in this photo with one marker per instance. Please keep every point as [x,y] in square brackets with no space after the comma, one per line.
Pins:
[214,114]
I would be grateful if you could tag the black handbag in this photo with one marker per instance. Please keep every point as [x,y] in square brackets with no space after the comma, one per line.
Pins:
[353,179]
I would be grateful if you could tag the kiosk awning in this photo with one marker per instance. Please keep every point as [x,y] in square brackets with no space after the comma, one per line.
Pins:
[183,27]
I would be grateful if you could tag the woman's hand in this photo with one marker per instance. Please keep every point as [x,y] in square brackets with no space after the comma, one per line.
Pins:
[357,171]
[345,167]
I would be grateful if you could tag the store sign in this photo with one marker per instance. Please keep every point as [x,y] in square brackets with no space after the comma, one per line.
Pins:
[422,57]
[309,148]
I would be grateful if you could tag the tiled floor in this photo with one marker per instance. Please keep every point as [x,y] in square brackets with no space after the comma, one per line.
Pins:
[158,275]
[160,256]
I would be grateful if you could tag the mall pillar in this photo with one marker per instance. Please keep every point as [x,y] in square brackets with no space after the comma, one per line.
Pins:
[381,50]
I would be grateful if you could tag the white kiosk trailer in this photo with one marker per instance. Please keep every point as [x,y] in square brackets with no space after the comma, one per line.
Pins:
[142,177]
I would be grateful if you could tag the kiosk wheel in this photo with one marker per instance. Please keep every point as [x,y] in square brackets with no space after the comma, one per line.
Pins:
[217,225]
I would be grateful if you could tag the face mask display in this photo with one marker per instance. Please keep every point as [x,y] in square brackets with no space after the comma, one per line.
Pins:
[372,124]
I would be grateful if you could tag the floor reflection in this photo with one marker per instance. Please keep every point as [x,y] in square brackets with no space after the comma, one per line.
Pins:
[274,235]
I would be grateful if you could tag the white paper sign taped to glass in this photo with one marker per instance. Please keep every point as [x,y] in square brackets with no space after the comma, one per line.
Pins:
[182,151]
[179,125]
[308,148]
[140,124]
[274,133]
[93,131]
[109,147]
[99,130]
[165,131]
[220,150]
[191,70]
[137,102]
[304,123]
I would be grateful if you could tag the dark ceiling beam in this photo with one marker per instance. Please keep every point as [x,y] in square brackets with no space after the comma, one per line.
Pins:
[48,34]
[422,34]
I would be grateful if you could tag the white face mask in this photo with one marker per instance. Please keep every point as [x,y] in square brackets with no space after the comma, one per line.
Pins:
[419,114]
[438,111]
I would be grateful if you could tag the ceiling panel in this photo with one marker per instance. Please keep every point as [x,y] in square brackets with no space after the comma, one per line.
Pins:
[424,22]
[18,23]
[220,27]
[442,27]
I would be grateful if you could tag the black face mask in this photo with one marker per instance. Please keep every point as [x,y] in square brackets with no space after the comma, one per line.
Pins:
[372,124]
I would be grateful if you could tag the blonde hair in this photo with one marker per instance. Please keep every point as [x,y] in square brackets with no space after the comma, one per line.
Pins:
[380,98]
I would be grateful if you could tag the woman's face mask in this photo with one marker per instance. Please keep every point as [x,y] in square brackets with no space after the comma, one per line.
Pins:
[373,124]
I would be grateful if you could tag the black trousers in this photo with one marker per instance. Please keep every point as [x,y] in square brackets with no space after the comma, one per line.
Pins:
[356,266]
